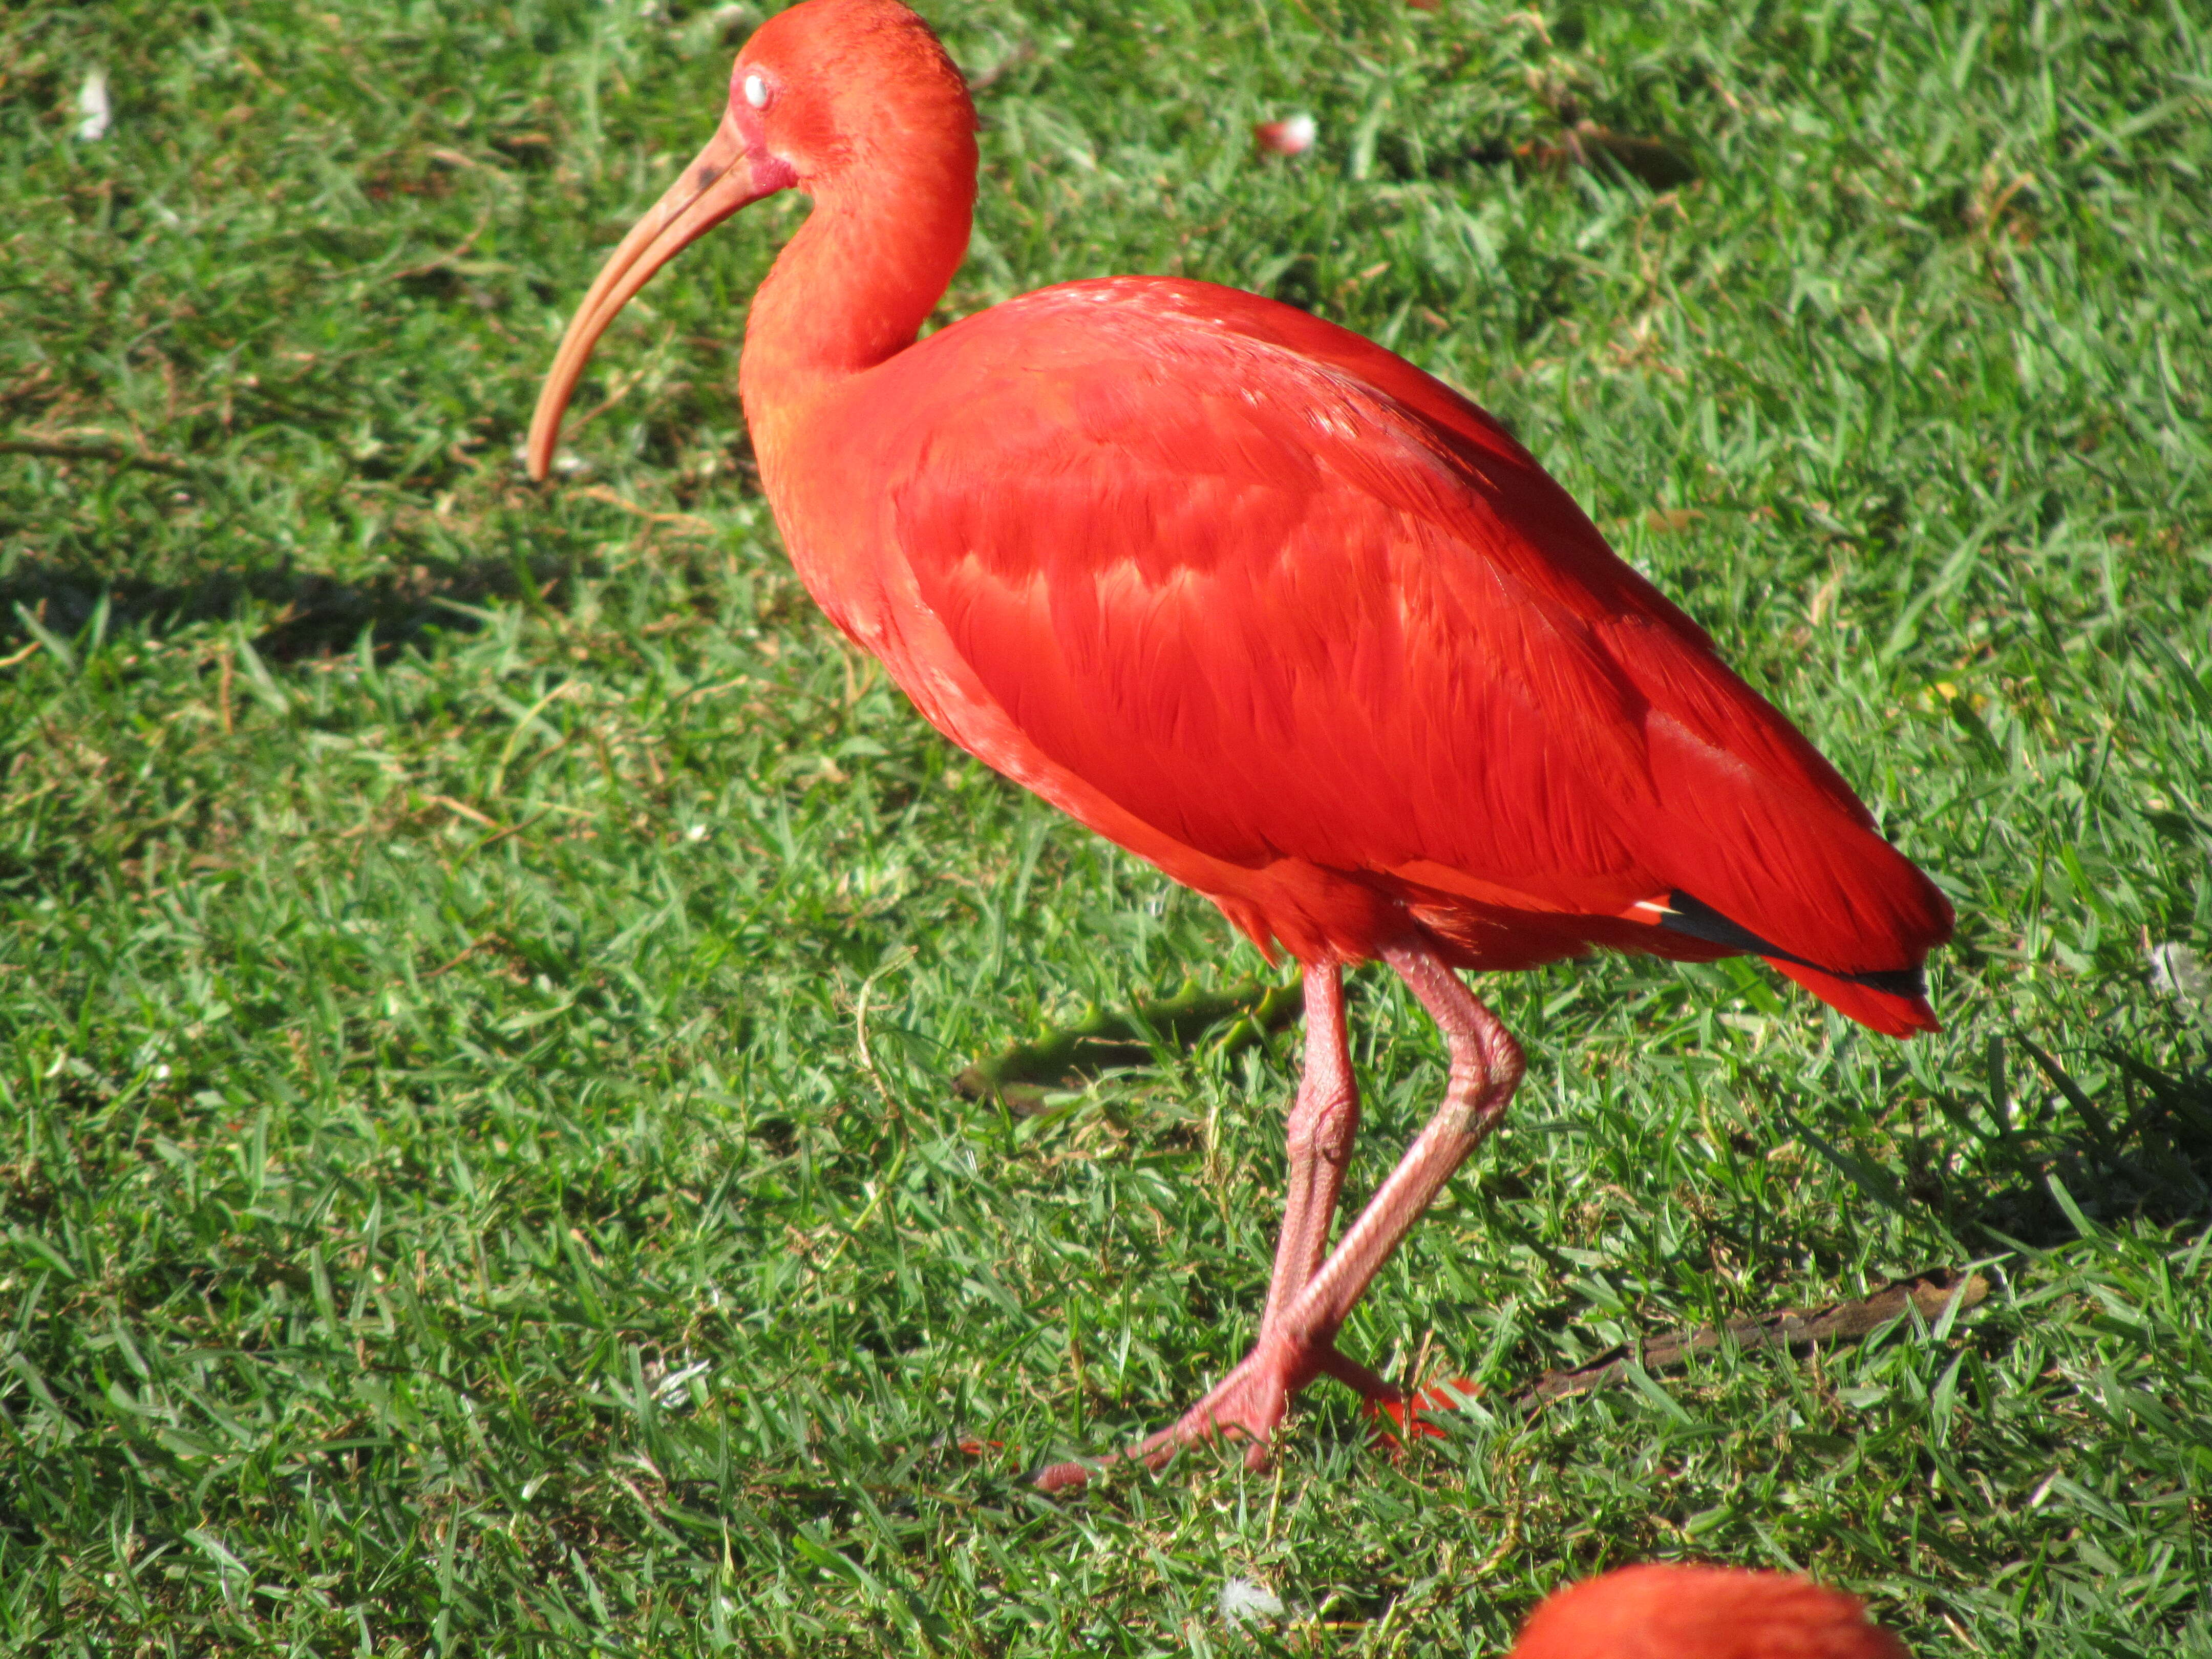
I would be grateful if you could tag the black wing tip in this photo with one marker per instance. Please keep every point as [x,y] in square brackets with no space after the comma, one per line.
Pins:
[1695,919]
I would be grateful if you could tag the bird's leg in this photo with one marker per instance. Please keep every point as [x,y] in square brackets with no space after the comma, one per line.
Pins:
[1323,1120]
[1297,1337]
[1487,1065]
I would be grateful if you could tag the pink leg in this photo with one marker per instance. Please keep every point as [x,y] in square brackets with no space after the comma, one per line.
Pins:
[1323,1122]
[1487,1065]
[1298,1334]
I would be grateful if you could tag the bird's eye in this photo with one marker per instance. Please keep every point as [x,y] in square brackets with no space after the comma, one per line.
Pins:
[757,91]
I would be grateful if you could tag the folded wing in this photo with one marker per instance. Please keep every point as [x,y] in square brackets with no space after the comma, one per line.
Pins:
[1282,596]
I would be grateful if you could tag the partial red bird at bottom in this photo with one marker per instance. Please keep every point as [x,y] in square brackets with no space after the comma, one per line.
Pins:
[1267,605]
[1663,1612]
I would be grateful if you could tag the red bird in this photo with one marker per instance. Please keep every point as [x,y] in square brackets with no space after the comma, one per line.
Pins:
[1702,1613]
[1271,608]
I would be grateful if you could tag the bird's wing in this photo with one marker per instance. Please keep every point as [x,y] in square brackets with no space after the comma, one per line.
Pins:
[1278,595]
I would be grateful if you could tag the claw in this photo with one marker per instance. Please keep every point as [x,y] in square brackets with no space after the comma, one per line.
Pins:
[1250,1404]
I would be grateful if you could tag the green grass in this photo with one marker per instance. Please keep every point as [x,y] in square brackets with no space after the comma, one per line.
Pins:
[480,967]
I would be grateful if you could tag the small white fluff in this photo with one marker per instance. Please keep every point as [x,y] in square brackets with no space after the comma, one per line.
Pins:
[2180,973]
[675,1388]
[93,109]
[1244,1602]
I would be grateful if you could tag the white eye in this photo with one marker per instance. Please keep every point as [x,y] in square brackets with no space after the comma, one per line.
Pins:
[757,91]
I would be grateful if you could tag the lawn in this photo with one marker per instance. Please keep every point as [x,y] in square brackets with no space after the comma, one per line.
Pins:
[482,966]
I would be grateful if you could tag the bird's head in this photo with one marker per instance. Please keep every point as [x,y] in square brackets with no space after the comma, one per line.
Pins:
[828,97]
[841,89]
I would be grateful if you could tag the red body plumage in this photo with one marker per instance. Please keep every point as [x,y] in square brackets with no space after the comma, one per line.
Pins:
[1274,610]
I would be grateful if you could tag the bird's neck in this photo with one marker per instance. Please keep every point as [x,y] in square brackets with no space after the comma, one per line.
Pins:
[852,288]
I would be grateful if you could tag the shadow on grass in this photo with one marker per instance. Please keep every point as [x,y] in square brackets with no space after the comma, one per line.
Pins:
[316,613]
[1024,1076]
[2154,1165]
[2152,1162]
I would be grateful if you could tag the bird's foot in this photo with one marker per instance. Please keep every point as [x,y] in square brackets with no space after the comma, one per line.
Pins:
[1248,1403]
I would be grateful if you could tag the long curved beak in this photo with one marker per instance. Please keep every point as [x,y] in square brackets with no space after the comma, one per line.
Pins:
[719,181]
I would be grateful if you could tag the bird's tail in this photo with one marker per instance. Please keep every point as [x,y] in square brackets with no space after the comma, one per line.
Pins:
[1893,1001]
[1893,1011]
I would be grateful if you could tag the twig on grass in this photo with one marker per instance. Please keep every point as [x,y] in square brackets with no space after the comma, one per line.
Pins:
[1930,1293]
[114,454]
[690,522]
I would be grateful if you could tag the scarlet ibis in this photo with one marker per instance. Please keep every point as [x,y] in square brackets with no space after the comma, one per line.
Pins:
[1266,606]
[1656,1612]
